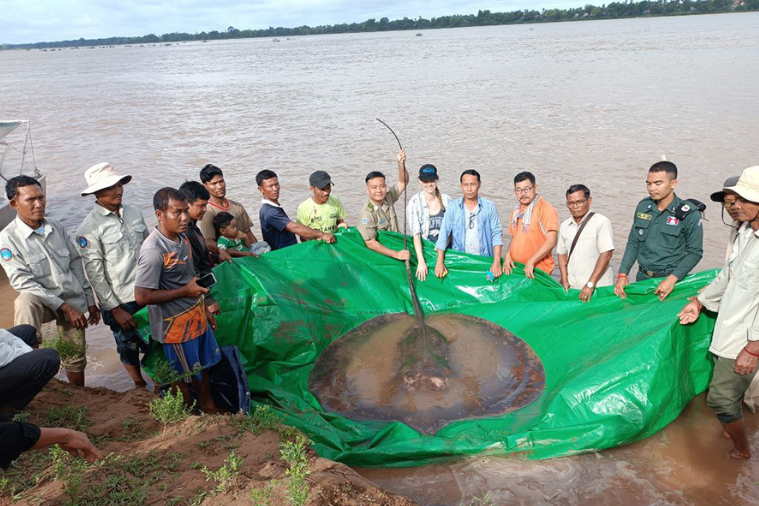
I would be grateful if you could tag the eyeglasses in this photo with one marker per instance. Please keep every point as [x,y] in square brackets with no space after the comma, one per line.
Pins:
[471,221]
[576,203]
[520,191]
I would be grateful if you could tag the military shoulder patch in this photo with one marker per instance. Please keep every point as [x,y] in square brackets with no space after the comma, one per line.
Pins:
[6,254]
[644,216]
[81,241]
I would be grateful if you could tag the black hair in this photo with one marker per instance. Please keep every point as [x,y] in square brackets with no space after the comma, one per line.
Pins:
[14,183]
[192,191]
[209,172]
[469,172]
[579,187]
[374,174]
[164,195]
[264,175]
[524,176]
[668,168]
[222,220]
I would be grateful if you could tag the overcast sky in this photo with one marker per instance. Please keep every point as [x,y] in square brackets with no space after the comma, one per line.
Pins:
[50,20]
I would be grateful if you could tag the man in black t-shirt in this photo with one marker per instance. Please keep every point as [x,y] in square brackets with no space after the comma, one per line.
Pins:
[277,228]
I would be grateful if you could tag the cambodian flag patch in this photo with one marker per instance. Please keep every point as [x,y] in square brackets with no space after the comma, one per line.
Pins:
[673,221]
[6,254]
[82,241]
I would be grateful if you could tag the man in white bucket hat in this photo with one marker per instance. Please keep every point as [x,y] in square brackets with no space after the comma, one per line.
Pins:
[734,295]
[109,241]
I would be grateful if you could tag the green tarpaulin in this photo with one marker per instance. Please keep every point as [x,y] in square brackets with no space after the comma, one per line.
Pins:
[616,370]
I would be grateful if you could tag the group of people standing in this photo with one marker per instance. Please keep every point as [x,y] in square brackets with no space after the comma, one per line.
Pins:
[119,266]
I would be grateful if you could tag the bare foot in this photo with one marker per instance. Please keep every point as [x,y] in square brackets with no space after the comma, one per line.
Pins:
[736,455]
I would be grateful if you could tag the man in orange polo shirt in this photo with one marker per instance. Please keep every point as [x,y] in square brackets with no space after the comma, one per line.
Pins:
[534,229]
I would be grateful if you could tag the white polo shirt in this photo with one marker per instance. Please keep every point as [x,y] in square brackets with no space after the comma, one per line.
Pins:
[596,238]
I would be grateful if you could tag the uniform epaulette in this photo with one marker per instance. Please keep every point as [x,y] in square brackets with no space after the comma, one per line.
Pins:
[688,206]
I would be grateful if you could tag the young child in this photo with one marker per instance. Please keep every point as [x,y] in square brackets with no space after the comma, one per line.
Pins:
[230,238]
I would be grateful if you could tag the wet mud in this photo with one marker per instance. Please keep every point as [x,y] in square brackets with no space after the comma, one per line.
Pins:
[455,367]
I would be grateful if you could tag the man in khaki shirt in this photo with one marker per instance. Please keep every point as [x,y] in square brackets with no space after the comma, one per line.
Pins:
[109,241]
[45,268]
[378,213]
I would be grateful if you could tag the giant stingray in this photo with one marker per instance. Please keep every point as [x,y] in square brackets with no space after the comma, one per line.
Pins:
[426,372]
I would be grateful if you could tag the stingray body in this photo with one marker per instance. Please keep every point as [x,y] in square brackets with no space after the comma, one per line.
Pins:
[426,375]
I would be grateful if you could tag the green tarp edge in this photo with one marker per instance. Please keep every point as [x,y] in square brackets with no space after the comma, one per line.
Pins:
[617,371]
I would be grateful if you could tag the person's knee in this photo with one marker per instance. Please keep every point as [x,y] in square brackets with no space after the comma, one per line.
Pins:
[727,407]
[50,361]
[26,333]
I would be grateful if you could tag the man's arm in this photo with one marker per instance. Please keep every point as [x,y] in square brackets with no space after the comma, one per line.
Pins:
[694,245]
[309,233]
[631,251]
[497,237]
[93,259]
[375,245]
[403,176]
[543,251]
[446,227]
[145,296]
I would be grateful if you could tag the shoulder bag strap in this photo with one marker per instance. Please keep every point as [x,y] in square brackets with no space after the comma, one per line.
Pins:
[577,235]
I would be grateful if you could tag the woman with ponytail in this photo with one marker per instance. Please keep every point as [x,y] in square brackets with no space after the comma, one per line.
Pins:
[425,214]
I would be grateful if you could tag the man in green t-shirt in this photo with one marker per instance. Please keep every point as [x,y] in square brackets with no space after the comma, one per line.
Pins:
[322,211]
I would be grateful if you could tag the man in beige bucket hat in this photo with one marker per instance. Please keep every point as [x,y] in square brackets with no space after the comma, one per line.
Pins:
[734,296]
[109,241]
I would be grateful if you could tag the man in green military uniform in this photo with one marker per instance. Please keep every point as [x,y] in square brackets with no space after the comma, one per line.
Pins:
[378,213]
[666,238]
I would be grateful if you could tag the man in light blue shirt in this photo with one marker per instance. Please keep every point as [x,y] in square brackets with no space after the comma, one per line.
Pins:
[473,224]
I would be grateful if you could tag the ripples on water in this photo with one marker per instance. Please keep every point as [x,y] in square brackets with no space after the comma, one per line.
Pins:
[592,102]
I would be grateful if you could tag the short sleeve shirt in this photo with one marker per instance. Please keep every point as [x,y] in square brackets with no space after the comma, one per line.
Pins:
[524,243]
[167,265]
[273,222]
[244,223]
[374,218]
[596,238]
[322,217]
[233,244]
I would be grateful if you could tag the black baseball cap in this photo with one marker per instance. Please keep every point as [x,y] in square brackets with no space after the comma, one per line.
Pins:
[428,172]
[319,179]
[720,195]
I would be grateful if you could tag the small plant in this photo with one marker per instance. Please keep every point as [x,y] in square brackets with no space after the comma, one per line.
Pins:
[485,500]
[266,419]
[262,496]
[170,408]
[67,416]
[21,417]
[165,375]
[294,453]
[67,350]
[226,474]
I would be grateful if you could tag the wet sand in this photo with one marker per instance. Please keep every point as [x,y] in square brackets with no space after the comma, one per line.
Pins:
[686,463]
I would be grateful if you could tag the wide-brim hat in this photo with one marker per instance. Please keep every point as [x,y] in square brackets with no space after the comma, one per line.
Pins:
[748,185]
[102,176]
[720,195]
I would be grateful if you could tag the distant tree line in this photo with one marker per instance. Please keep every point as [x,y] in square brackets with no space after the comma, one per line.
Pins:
[614,10]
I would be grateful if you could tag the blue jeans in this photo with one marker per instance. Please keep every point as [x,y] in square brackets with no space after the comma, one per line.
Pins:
[129,344]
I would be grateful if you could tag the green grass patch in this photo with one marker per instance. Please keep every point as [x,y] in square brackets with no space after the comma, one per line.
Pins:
[294,453]
[226,475]
[170,408]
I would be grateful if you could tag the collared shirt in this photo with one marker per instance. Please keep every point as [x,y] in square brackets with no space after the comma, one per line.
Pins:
[660,242]
[734,294]
[596,238]
[524,243]
[110,246]
[455,224]
[374,218]
[47,266]
[274,222]
[418,214]
[244,223]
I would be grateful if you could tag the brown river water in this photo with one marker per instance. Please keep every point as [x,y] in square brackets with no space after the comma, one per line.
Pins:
[593,102]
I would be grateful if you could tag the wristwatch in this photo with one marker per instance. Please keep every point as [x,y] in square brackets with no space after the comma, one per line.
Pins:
[590,284]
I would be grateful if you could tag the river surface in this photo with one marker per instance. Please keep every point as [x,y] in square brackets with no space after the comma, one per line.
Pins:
[592,102]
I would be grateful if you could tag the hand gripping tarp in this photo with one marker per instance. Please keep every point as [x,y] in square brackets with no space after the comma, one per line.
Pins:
[617,371]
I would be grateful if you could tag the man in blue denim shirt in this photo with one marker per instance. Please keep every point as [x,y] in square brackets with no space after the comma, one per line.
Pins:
[474,224]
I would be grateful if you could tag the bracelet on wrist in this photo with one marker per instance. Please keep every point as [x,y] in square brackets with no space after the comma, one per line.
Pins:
[620,275]
[751,353]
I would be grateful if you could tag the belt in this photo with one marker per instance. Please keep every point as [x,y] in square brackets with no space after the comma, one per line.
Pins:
[653,274]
